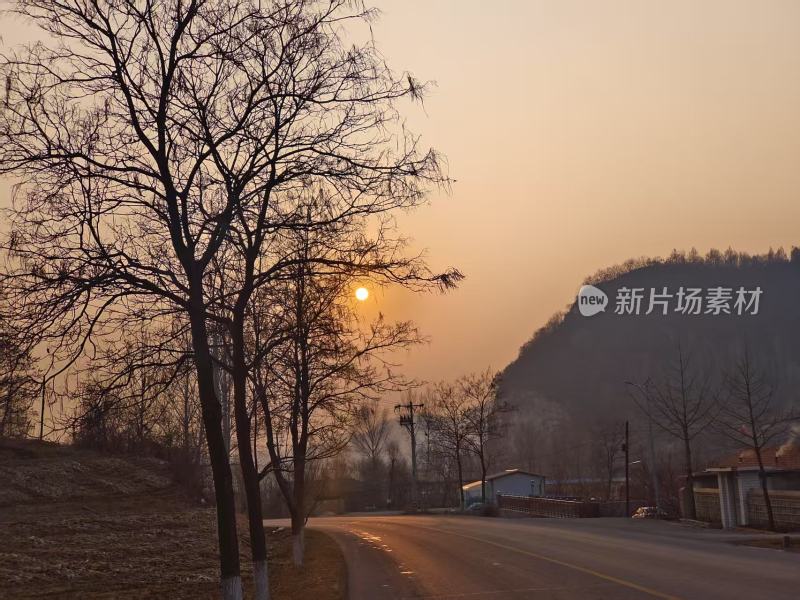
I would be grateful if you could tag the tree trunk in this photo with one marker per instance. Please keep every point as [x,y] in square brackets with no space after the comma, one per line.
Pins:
[691,511]
[762,476]
[390,491]
[186,416]
[483,481]
[258,545]
[218,453]
[298,539]
[261,578]
[299,512]
[460,477]
[232,588]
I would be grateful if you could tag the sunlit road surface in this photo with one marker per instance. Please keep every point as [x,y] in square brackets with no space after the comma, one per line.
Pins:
[395,557]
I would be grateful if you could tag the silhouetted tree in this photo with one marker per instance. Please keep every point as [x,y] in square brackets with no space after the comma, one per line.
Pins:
[124,206]
[397,475]
[326,363]
[609,441]
[447,423]
[159,137]
[483,412]
[139,395]
[19,384]
[683,404]
[370,430]
[369,436]
[750,416]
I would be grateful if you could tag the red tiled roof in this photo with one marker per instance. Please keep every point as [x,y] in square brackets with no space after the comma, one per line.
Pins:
[785,457]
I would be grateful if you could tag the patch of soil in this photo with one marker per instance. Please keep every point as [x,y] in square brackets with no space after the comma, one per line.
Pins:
[119,529]
[322,577]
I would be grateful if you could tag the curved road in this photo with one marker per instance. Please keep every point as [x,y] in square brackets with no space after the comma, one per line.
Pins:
[396,557]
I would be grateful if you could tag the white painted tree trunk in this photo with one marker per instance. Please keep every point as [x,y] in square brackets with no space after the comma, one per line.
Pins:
[232,588]
[298,547]
[261,577]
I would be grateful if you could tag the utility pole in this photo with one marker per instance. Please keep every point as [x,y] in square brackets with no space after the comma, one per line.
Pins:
[44,393]
[653,467]
[41,415]
[406,412]
[626,449]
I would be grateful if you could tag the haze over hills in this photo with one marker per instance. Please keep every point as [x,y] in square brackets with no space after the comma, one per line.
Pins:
[575,368]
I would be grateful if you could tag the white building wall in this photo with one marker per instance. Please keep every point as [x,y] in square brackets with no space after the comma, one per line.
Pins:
[746,481]
[727,499]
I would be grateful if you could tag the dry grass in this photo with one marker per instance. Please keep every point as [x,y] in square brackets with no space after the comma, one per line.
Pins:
[77,525]
[322,578]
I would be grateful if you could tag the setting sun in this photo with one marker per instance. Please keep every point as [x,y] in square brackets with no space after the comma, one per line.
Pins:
[362,294]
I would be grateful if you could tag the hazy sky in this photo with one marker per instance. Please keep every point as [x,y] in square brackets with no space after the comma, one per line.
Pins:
[582,134]
[585,133]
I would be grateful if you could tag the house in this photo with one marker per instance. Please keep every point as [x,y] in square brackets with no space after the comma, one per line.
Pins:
[729,493]
[511,482]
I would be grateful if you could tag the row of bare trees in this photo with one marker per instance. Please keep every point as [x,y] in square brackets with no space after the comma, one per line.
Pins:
[458,428]
[19,381]
[686,401]
[309,381]
[381,465]
[464,418]
[216,172]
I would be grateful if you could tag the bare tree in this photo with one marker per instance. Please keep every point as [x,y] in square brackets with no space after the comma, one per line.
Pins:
[483,413]
[128,393]
[683,405]
[19,385]
[154,139]
[750,416]
[123,207]
[447,422]
[370,433]
[326,363]
[369,437]
[609,439]
[396,470]
[318,117]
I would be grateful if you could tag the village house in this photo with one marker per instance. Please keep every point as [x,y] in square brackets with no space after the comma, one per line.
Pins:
[511,482]
[728,492]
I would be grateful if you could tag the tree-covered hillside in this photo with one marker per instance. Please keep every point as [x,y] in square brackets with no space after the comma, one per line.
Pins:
[570,377]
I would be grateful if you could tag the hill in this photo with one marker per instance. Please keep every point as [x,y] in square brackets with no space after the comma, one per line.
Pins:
[572,372]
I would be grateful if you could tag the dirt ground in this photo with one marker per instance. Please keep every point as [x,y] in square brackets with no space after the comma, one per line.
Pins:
[74,524]
[774,543]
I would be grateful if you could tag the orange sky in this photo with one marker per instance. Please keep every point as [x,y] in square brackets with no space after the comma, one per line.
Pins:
[585,133]
[582,134]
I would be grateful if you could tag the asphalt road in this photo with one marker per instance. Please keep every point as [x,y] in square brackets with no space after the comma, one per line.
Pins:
[474,558]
